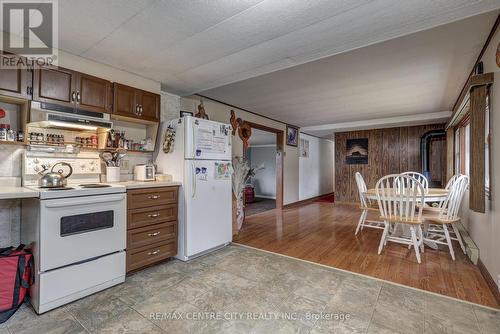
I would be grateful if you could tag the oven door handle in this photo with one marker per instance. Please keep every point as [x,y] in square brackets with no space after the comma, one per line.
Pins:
[81,201]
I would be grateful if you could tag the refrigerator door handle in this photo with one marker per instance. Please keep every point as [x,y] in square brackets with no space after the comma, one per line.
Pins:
[193,169]
[194,138]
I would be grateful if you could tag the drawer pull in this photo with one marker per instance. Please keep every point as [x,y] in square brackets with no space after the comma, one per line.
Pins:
[154,215]
[153,234]
[154,196]
[154,252]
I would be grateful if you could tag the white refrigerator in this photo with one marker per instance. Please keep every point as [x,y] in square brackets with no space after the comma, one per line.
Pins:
[201,160]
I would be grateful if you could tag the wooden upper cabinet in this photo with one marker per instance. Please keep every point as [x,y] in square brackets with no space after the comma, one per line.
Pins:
[54,85]
[93,94]
[149,104]
[136,103]
[14,82]
[71,89]
[124,100]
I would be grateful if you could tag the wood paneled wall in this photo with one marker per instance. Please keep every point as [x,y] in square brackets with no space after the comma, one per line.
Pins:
[390,151]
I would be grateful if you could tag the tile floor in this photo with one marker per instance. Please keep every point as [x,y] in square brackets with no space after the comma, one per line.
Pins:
[239,289]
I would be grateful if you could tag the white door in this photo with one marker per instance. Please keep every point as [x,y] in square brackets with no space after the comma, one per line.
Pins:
[207,140]
[208,210]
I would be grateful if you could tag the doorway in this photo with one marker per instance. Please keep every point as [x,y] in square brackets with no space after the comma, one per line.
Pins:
[264,191]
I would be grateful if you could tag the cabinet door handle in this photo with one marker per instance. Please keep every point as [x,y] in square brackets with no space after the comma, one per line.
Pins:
[73,96]
[154,252]
[141,109]
[154,215]
[154,196]
[153,234]
[78,97]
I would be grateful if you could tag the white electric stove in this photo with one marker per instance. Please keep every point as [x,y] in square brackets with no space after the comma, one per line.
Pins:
[77,190]
[78,233]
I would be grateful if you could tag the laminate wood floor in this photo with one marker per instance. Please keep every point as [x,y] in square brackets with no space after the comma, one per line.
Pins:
[259,205]
[324,233]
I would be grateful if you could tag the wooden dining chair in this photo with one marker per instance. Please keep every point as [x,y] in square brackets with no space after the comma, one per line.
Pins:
[365,205]
[437,223]
[420,178]
[400,200]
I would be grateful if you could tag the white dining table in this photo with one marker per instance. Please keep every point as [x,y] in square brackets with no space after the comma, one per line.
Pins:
[431,196]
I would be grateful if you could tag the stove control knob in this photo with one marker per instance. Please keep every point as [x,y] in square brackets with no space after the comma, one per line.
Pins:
[82,165]
[36,161]
[92,168]
[36,168]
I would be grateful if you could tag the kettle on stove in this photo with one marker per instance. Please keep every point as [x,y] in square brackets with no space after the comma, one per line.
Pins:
[54,179]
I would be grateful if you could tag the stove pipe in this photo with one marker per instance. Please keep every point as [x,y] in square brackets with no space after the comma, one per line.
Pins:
[425,145]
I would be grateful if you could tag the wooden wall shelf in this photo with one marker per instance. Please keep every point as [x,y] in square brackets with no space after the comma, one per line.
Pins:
[13,143]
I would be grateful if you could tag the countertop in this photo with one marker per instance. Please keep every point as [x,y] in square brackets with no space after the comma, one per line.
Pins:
[147,184]
[13,192]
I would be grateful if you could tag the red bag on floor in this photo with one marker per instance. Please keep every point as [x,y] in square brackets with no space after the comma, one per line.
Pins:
[16,275]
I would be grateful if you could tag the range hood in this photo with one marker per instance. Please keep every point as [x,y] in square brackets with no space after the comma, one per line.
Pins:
[46,115]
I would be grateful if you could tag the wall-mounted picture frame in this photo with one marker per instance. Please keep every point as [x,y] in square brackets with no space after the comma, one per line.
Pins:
[357,151]
[186,113]
[292,136]
[304,148]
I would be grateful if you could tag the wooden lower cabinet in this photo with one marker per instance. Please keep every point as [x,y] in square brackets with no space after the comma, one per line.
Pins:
[138,258]
[152,226]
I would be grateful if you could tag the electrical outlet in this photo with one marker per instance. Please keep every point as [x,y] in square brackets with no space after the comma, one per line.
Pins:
[125,165]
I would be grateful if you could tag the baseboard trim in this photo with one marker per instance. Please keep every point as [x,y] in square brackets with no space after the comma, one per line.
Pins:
[264,196]
[305,201]
[489,280]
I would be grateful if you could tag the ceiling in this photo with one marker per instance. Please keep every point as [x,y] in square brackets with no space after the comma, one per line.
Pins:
[260,137]
[338,67]
[411,78]
[195,45]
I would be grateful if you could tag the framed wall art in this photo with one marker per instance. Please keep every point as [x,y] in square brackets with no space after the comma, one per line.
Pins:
[357,151]
[292,136]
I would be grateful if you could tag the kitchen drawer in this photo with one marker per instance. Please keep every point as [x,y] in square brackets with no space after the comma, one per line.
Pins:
[153,215]
[143,198]
[146,236]
[145,256]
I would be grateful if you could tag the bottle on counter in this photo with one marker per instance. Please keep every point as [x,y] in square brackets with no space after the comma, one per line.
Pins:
[3,132]
[39,138]
[93,140]
[20,136]
[11,134]
[120,139]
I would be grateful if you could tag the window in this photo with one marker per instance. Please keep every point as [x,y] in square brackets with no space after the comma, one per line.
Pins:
[466,155]
[457,151]
[487,148]
[462,146]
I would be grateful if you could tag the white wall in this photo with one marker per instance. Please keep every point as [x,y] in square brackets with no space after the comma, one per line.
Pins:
[484,229]
[170,106]
[221,113]
[113,74]
[316,172]
[264,181]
